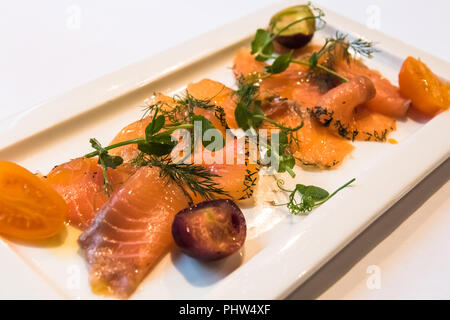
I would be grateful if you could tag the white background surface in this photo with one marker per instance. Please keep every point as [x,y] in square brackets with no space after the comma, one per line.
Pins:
[48,47]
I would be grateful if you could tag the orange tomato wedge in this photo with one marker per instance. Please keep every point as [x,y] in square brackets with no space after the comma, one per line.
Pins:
[426,91]
[30,209]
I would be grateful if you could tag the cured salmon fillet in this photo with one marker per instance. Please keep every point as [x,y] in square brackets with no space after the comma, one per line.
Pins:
[372,126]
[131,232]
[388,99]
[316,145]
[135,130]
[343,110]
[237,179]
[80,183]
[132,131]
[219,95]
[364,122]
[237,174]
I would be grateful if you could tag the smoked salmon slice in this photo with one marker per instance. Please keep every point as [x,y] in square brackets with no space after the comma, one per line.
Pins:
[369,119]
[372,126]
[132,131]
[80,182]
[388,99]
[336,109]
[136,129]
[131,232]
[315,144]
[238,175]
[235,177]
[343,109]
[218,94]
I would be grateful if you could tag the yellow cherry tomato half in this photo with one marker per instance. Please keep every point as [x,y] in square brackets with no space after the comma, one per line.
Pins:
[30,210]
[426,91]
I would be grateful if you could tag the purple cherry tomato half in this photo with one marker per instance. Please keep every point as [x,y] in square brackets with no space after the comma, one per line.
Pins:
[210,230]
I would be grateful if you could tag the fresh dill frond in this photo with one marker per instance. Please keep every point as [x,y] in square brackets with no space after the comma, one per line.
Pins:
[140,160]
[196,178]
[359,47]
[190,102]
[363,47]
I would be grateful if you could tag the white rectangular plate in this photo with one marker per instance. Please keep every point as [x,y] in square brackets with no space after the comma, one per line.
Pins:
[281,251]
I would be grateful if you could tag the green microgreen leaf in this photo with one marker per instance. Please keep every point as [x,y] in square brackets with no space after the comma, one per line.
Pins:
[241,115]
[155,126]
[256,114]
[305,198]
[315,193]
[262,45]
[112,161]
[286,162]
[280,64]
[159,148]
[313,60]
[106,161]
[207,125]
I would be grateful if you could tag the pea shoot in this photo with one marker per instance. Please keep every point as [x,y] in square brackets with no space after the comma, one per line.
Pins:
[249,116]
[106,161]
[310,197]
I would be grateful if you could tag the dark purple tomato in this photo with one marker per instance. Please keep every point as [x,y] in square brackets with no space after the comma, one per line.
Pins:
[210,230]
[294,41]
[295,26]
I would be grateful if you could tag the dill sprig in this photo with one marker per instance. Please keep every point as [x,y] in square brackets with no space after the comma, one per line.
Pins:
[363,47]
[196,178]
[359,47]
